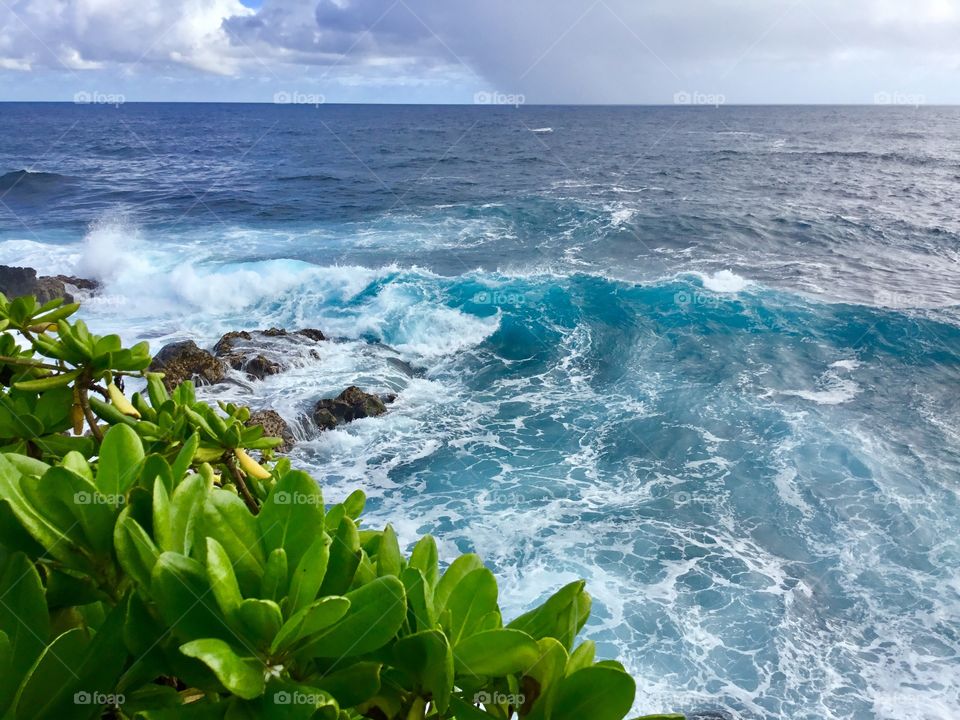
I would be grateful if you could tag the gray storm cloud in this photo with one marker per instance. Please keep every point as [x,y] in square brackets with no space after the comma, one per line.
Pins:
[549,51]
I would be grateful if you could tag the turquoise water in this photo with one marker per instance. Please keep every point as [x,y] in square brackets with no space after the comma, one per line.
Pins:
[715,374]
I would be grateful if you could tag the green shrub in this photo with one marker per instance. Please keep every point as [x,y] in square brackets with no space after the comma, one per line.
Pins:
[153,569]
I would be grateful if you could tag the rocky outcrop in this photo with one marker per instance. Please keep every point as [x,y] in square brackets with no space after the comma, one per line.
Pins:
[256,352]
[181,361]
[273,426]
[352,404]
[17,281]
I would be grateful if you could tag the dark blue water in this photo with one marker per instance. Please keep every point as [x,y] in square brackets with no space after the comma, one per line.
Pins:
[704,357]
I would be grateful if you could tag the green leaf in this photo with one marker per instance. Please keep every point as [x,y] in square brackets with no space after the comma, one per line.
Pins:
[173,522]
[244,677]
[472,600]
[9,678]
[226,518]
[121,453]
[308,575]
[344,559]
[223,581]
[184,597]
[496,653]
[185,457]
[135,549]
[75,664]
[260,621]
[292,516]
[561,616]
[23,619]
[458,569]
[582,657]
[63,547]
[79,502]
[389,559]
[275,584]
[428,659]
[424,558]
[312,619]
[48,382]
[419,598]
[596,692]
[353,685]
[376,613]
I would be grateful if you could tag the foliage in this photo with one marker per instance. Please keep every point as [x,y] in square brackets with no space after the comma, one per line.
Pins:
[153,569]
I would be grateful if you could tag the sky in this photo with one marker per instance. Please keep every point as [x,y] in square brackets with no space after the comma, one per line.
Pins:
[482,51]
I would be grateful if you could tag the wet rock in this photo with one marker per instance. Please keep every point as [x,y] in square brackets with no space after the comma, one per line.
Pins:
[185,361]
[352,404]
[260,353]
[313,334]
[273,426]
[225,345]
[260,366]
[78,282]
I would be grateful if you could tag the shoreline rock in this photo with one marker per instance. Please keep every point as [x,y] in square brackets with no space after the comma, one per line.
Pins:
[256,353]
[244,350]
[16,281]
[352,404]
[184,360]
[274,426]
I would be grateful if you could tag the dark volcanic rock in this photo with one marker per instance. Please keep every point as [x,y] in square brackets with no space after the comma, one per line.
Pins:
[78,282]
[225,345]
[352,404]
[260,366]
[17,281]
[185,361]
[313,334]
[260,353]
[273,426]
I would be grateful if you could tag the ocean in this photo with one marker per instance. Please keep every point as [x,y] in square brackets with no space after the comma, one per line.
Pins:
[705,358]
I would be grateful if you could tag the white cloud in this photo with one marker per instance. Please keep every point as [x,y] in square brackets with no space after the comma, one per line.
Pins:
[548,50]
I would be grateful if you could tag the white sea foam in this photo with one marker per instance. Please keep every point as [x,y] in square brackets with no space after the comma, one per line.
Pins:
[724,281]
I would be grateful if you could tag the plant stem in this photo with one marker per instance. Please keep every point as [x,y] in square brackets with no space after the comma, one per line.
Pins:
[82,382]
[241,484]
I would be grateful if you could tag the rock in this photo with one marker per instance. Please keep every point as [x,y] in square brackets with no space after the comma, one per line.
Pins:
[78,282]
[352,404]
[273,426]
[313,334]
[185,361]
[258,352]
[261,366]
[225,345]
[17,281]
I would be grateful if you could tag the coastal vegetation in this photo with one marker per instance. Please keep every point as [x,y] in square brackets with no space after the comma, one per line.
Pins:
[160,559]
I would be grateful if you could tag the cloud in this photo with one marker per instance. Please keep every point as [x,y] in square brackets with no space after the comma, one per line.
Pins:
[549,51]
